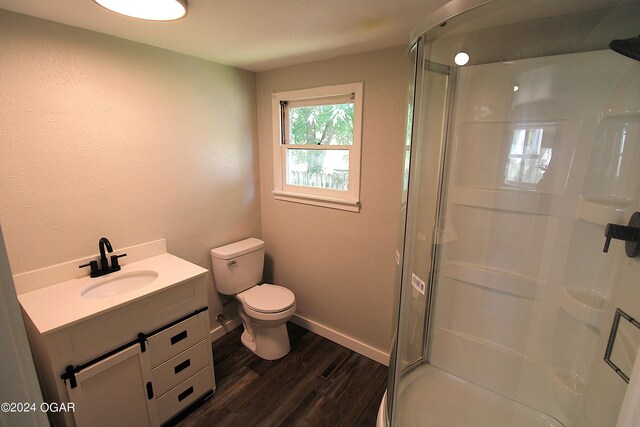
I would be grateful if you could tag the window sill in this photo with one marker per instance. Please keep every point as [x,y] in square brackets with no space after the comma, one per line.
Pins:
[326,202]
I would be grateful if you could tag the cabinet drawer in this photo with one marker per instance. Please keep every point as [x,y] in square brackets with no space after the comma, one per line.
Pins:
[181,396]
[180,367]
[176,339]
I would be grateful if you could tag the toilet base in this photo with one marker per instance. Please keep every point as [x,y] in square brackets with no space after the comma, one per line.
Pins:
[247,340]
[269,343]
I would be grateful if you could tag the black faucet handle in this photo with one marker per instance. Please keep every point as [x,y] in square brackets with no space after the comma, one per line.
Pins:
[93,265]
[115,265]
[628,233]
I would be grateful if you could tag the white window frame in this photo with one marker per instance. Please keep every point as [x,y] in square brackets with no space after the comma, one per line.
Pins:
[337,199]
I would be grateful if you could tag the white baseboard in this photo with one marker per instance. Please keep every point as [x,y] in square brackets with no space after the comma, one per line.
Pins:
[344,340]
[220,330]
[326,332]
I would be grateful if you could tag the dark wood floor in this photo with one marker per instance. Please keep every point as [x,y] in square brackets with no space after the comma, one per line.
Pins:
[319,383]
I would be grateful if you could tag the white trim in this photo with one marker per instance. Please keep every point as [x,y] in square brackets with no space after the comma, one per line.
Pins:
[327,100]
[319,92]
[344,340]
[327,202]
[346,200]
[324,331]
[18,371]
[318,147]
[221,330]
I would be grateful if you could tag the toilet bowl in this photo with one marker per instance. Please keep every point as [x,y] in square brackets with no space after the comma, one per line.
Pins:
[263,308]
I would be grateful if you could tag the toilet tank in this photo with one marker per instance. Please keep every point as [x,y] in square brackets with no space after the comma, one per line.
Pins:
[238,266]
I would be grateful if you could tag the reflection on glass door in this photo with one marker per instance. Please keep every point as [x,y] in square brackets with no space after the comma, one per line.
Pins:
[528,159]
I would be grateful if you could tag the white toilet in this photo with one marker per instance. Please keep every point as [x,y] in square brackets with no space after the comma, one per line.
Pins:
[263,308]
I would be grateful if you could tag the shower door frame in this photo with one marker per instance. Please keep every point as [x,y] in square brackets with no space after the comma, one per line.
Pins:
[395,368]
[422,66]
[438,226]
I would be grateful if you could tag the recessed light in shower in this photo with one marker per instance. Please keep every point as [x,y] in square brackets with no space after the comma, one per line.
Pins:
[461,58]
[515,88]
[151,10]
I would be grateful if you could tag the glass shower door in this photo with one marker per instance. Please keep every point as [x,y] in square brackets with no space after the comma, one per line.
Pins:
[504,235]
[423,169]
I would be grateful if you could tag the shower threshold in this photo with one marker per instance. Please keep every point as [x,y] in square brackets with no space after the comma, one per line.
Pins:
[431,397]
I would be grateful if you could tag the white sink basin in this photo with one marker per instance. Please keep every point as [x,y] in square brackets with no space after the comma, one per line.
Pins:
[119,284]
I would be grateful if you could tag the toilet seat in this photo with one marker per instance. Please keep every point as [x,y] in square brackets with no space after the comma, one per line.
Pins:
[268,298]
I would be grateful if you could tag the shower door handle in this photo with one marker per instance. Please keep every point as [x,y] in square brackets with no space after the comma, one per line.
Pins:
[629,233]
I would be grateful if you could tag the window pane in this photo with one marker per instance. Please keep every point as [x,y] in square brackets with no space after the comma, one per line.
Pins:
[321,125]
[318,168]
[517,143]
[528,159]
[534,137]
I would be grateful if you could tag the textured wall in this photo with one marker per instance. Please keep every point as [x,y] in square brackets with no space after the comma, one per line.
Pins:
[104,137]
[341,264]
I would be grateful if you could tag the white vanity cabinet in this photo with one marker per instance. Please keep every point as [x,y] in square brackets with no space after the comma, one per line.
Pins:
[146,383]
[102,390]
[136,359]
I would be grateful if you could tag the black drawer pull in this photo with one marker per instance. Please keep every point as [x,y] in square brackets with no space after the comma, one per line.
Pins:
[182,366]
[185,393]
[176,338]
[149,390]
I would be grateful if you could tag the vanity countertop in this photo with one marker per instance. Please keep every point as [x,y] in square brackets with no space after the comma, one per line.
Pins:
[62,304]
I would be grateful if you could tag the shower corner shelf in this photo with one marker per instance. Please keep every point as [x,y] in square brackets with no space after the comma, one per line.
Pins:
[600,212]
[587,307]
[493,278]
[567,388]
[529,202]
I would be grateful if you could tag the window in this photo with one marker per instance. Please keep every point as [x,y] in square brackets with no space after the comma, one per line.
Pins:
[316,146]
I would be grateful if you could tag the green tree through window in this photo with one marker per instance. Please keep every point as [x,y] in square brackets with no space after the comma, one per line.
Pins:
[320,125]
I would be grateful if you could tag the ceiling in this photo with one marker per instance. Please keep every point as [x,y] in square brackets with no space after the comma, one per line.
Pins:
[256,35]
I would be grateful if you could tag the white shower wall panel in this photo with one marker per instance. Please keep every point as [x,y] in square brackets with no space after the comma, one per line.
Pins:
[522,136]
[504,240]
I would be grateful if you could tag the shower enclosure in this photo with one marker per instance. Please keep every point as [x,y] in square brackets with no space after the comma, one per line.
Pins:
[517,164]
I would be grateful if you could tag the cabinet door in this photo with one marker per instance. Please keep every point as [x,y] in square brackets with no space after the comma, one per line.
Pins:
[113,392]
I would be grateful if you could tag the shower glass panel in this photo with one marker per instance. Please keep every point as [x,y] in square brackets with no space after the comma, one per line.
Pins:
[517,161]
[395,364]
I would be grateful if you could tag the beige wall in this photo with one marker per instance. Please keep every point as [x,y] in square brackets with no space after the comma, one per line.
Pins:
[341,264]
[104,137]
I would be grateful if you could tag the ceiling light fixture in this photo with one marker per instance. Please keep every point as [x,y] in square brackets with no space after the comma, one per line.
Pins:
[152,10]
[461,58]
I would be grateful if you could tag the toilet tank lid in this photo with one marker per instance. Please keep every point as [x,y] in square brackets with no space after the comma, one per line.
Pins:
[234,250]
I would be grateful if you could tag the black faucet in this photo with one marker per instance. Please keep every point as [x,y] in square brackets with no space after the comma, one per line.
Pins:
[104,262]
[629,233]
